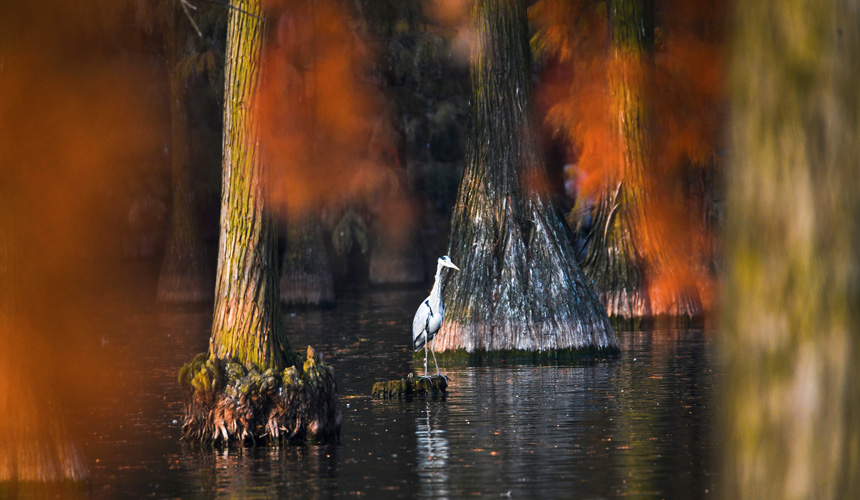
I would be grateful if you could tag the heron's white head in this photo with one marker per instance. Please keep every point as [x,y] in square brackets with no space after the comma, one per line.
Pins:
[446,261]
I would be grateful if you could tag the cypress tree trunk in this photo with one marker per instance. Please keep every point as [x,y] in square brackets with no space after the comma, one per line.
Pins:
[247,325]
[249,386]
[520,287]
[184,277]
[306,277]
[627,251]
[791,317]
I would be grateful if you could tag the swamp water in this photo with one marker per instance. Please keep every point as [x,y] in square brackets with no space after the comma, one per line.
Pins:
[641,425]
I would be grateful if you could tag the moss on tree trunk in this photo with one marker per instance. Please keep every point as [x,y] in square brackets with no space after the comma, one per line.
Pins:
[627,251]
[247,324]
[250,386]
[520,287]
[184,276]
[791,322]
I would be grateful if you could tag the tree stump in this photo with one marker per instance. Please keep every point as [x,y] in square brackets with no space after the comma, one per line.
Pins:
[410,387]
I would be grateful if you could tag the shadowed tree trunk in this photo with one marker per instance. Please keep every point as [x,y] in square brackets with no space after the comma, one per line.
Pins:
[627,253]
[184,277]
[791,323]
[397,259]
[520,287]
[250,386]
[306,278]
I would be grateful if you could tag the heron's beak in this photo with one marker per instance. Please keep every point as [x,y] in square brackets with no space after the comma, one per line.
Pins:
[451,264]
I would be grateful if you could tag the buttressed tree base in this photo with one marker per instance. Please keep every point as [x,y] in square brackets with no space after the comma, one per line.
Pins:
[520,288]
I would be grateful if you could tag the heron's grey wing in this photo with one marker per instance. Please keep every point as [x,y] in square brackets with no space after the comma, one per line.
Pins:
[419,325]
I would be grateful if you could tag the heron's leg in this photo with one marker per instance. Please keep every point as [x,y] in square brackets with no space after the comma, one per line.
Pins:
[425,359]
[435,363]
[433,351]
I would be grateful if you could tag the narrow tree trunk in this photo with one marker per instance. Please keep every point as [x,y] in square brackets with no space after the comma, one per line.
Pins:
[627,252]
[306,278]
[247,325]
[184,277]
[520,287]
[791,324]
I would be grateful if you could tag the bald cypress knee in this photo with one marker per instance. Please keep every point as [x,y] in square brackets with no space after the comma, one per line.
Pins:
[520,288]
[250,386]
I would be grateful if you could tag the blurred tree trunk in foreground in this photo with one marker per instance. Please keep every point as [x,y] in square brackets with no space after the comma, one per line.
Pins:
[248,325]
[520,288]
[791,329]
[184,277]
[627,250]
[34,444]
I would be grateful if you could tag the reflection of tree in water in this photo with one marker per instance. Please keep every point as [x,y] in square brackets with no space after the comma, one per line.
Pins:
[263,472]
[667,440]
[432,450]
[601,429]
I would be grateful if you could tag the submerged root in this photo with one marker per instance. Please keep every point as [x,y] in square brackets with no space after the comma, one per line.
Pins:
[225,402]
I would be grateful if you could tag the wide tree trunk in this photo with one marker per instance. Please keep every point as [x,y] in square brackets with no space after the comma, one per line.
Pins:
[306,277]
[628,255]
[520,288]
[184,275]
[791,321]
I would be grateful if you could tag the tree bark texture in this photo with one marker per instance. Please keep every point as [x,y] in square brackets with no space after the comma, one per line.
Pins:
[247,324]
[306,277]
[520,287]
[791,317]
[627,252]
[184,276]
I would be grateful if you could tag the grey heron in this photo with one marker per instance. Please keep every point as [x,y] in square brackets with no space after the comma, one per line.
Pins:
[428,318]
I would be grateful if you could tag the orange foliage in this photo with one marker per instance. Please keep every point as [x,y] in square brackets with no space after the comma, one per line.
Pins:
[323,119]
[682,88]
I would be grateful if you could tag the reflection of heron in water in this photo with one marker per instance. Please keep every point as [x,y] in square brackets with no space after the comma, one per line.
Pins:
[428,318]
[432,453]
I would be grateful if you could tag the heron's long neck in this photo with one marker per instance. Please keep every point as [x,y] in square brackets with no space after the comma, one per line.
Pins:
[437,285]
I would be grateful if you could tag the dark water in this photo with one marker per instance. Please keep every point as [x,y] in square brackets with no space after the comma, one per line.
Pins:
[637,426]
